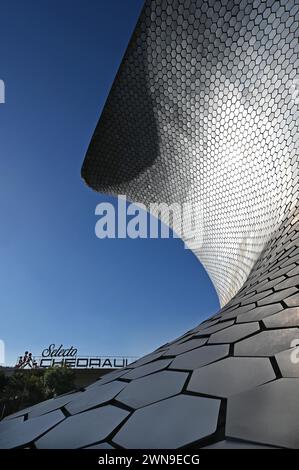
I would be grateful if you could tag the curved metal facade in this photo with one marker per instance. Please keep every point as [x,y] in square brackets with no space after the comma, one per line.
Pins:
[203,109]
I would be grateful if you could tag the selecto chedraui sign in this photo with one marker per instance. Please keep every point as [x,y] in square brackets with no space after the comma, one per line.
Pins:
[59,356]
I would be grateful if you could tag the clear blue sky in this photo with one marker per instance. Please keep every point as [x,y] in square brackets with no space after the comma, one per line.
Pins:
[58,282]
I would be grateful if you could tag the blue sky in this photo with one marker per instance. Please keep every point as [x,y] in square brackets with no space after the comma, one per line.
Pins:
[58,282]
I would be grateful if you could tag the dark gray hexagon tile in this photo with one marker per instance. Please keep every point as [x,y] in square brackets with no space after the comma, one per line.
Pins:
[266,284]
[108,378]
[234,333]
[200,357]
[294,271]
[231,305]
[94,397]
[266,343]
[206,324]
[277,296]
[103,445]
[291,242]
[83,429]
[259,313]
[186,346]
[234,444]
[52,404]
[266,414]
[16,434]
[239,311]
[287,362]
[292,301]
[293,259]
[6,425]
[230,376]
[147,369]
[170,424]
[45,406]
[18,414]
[269,284]
[180,340]
[288,317]
[287,283]
[257,297]
[214,328]
[230,315]
[146,359]
[149,389]
[287,270]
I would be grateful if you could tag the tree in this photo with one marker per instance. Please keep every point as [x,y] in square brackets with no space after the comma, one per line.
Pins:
[3,382]
[59,380]
[23,389]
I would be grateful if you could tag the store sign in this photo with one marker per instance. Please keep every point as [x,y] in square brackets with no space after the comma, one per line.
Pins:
[52,351]
[55,356]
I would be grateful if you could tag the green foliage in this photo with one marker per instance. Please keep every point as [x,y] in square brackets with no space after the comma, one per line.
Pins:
[25,388]
[59,380]
[3,382]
